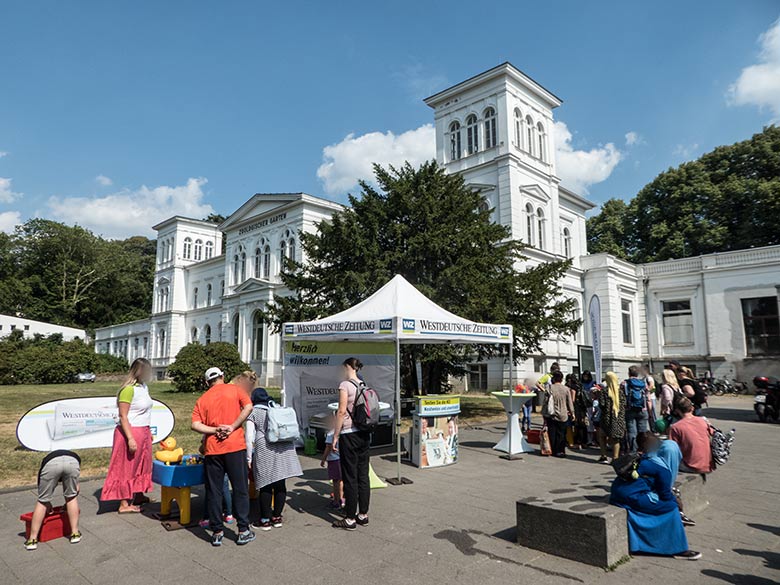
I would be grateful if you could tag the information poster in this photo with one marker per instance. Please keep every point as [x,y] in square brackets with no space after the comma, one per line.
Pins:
[435,432]
[313,371]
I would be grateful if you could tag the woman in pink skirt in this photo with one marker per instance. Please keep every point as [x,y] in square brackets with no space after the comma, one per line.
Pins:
[130,470]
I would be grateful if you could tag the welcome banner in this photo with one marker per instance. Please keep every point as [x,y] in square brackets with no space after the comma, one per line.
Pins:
[313,371]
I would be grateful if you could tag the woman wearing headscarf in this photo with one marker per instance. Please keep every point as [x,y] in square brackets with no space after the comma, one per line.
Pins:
[612,427]
[645,490]
[271,463]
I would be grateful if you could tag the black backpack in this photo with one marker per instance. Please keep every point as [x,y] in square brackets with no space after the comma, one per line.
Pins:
[365,410]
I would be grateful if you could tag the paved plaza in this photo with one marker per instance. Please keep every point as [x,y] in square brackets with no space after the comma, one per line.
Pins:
[453,525]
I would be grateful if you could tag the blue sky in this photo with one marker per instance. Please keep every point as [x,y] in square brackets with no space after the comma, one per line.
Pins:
[116,115]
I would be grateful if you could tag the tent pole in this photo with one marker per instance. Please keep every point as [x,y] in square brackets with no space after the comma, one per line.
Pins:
[511,456]
[398,408]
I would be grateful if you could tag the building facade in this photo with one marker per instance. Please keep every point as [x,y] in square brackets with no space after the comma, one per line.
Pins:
[716,313]
[30,328]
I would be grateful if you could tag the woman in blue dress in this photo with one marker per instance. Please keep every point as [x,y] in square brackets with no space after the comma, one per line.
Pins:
[654,524]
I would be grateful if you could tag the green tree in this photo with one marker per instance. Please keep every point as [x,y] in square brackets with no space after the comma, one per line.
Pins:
[729,199]
[194,359]
[426,225]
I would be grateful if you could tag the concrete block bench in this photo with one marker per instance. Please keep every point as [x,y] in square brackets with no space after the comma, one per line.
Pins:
[578,523]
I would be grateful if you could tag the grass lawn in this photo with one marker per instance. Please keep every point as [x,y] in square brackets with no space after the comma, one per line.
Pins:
[19,466]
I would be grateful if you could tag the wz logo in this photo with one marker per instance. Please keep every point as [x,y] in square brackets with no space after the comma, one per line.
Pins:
[408,324]
[385,324]
[505,332]
[289,329]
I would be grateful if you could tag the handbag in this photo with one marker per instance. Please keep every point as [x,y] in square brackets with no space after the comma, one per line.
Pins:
[548,409]
[544,442]
[281,423]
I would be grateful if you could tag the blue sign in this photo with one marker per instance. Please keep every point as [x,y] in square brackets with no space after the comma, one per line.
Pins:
[408,325]
[505,332]
[385,325]
[289,329]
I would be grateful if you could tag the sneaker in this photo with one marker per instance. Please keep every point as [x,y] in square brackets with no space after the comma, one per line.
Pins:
[276,522]
[689,555]
[263,525]
[345,524]
[216,538]
[75,538]
[203,523]
[245,537]
[362,521]
[687,521]
[31,544]
[228,518]
[604,460]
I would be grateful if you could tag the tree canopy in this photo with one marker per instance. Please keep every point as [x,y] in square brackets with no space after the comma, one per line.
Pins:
[426,225]
[67,275]
[728,199]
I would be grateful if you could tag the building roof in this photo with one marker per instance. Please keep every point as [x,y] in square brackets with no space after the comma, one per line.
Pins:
[282,199]
[579,199]
[505,68]
[175,218]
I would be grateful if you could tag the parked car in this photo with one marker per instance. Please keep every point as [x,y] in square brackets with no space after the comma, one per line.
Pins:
[85,377]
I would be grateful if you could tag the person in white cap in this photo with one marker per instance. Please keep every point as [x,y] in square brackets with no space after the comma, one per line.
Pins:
[219,414]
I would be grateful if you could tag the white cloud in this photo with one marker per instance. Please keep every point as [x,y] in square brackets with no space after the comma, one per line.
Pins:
[759,84]
[419,81]
[132,212]
[345,162]
[6,194]
[103,181]
[633,138]
[9,220]
[579,169]
[3,153]
[685,151]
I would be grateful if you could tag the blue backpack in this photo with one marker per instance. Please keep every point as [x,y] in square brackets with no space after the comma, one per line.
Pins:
[636,393]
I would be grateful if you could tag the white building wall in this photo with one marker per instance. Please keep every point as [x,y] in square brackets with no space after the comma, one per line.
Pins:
[30,328]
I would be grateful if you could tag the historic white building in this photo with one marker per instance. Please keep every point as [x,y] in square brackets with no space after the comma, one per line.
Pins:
[716,312]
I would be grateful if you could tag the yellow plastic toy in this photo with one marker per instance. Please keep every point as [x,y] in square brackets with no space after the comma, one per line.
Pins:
[168,453]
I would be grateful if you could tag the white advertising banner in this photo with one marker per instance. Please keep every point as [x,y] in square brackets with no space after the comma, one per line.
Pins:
[594,317]
[313,371]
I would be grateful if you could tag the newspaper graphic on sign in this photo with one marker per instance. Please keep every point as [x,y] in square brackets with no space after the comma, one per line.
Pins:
[72,421]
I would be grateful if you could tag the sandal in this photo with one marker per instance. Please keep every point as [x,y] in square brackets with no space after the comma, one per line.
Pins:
[130,510]
[344,524]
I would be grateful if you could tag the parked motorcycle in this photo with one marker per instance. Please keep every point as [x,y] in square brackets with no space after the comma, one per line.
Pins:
[724,386]
[767,400]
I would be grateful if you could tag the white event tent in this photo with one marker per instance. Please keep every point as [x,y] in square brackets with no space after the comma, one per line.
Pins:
[399,312]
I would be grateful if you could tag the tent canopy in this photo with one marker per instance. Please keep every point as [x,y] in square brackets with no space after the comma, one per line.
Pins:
[398,311]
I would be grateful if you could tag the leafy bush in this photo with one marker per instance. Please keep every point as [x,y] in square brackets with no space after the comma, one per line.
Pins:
[49,360]
[194,359]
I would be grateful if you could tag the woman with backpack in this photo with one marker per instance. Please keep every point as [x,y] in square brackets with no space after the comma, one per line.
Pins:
[271,463]
[352,445]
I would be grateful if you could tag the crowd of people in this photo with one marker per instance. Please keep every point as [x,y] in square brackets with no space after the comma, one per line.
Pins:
[649,432]
[233,419]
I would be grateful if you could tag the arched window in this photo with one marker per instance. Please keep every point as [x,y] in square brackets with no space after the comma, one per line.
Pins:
[455,145]
[195,298]
[219,330]
[169,254]
[209,295]
[236,267]
[490,128]
[161,343]
[207,334]
[291,248]
[257,337]
[198,249]
[566,242]
[209,250]
[236,323]
[243,265]
[165,298]
[541,139]
[221,289]
[529,128]
[267,262]
[187,248]
[540,229]
[258,261]
[194,334]
[529,223]
[472,134]
[483,205]
[518,128]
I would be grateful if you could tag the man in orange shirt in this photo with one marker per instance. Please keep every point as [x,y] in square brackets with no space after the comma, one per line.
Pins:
[218,415]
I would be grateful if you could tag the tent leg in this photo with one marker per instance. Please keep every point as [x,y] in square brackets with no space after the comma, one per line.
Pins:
[398,480]
[510,456]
